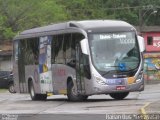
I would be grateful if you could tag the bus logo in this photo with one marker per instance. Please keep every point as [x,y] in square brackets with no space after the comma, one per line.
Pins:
[122,66]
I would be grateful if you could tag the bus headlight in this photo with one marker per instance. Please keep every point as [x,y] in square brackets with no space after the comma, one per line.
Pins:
[99,80]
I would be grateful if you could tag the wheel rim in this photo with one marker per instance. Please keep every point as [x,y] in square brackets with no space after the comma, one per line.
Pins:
[74,91]
[11,88]
[32,91]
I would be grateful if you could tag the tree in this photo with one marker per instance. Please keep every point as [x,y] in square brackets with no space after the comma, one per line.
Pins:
[17,15]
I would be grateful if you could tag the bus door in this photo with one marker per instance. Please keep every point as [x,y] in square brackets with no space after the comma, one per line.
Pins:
[19,67]
[45,70]
[79,70]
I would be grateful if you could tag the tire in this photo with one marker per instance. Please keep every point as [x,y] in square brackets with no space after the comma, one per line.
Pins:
[33,95]
[119,96]
[11,88]
[84,97]
[42,97]
[72,95]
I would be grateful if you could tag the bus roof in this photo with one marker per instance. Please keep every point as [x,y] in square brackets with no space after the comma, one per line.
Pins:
[85,25]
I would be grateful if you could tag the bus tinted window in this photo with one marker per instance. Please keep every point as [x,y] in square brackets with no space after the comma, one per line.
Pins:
[64,46]
[59,50]
[53,48]
[30,50]
[67,47]
[76,37]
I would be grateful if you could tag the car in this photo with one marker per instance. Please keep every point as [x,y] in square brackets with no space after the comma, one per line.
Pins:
[6,81]
[11,83]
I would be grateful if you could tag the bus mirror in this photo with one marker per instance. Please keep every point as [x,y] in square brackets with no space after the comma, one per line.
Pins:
[84,46]
[141,43]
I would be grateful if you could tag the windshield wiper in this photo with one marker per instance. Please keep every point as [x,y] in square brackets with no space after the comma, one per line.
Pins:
[106,73]
[116,67]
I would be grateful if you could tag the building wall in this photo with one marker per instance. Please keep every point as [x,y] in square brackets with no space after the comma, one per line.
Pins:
[5,66]
[152,56]
[152,41]
[152,66]
[5,63]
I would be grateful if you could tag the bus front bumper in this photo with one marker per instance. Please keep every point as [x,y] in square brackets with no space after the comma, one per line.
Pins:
[106,89]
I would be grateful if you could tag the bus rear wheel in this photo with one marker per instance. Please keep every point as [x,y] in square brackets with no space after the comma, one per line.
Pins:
[119,96]
[72,94]
[33,95]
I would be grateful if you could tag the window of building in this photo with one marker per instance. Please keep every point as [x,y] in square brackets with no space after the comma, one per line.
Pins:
[149,40]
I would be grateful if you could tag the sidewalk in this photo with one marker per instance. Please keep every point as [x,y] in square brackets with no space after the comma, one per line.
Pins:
[148,82]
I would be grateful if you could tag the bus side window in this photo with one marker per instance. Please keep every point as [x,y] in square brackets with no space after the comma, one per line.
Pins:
[35,50]
[84,59]
[67,49]
[53,48]
[31,51]
[59,59]
[76,38]
[73,47]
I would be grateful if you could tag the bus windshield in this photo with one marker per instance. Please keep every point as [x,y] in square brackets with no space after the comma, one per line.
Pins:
[114,51]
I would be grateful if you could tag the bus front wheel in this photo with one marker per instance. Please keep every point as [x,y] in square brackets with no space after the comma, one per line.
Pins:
[119,96]
[72,95]
[33,95]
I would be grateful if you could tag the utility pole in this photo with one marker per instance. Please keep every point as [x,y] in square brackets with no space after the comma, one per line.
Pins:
[140,19]
[143,12]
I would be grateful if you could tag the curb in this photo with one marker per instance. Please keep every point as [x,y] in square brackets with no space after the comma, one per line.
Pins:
[143,111]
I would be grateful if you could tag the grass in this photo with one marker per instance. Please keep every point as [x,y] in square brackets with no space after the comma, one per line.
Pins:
[3,90]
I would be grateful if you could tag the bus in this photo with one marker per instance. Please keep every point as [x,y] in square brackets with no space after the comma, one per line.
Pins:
[79,59]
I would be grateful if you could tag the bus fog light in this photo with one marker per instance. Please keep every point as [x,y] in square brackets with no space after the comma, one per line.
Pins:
[139,78]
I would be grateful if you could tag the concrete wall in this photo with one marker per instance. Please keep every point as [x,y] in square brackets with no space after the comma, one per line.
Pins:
[5,65]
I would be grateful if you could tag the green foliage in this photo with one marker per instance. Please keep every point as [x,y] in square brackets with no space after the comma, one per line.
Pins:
[8,33]
[18,15]
[3,90]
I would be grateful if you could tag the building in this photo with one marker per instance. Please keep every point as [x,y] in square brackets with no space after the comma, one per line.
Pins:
[5,63]
[5,56]
[151,36]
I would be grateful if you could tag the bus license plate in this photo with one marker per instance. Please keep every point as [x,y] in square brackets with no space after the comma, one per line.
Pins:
[115,81]
[120,87]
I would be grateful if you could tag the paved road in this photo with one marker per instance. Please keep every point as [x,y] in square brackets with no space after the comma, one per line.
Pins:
[96,107]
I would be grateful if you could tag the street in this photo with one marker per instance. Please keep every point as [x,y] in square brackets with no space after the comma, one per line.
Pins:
[58,107]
